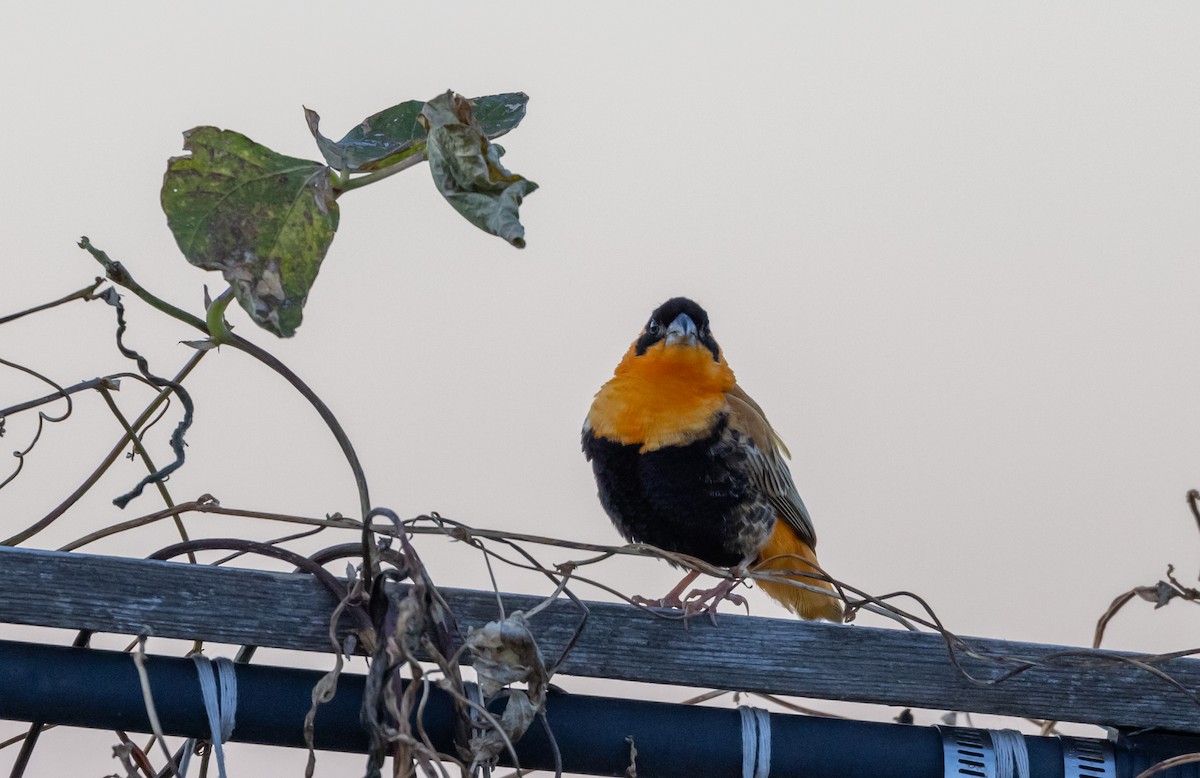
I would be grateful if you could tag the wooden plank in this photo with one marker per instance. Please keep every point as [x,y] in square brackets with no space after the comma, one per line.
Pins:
[864,664]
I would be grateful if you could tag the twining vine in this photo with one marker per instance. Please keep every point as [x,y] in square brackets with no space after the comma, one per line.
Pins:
[266,221]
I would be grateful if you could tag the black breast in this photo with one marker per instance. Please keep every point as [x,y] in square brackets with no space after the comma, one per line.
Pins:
[695,499]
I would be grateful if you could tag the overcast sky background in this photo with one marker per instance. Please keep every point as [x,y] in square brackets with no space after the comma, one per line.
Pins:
[950,248]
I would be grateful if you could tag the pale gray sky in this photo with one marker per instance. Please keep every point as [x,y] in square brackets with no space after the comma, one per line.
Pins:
[950,248]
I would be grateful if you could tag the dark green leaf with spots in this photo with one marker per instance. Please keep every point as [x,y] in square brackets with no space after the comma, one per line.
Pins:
[467,171]
[497,114]
[380,140]
[395,134]
[264,220]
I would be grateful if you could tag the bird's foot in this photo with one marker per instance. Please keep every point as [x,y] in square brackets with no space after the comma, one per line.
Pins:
[672,599]
[697,601]
[700,601]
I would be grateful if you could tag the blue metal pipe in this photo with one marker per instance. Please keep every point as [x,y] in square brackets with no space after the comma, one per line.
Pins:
[100,689]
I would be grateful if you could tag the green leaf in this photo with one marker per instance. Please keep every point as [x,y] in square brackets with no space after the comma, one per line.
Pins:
[395,134]
[264,220]
[380,140]
[497,114]
[467,171]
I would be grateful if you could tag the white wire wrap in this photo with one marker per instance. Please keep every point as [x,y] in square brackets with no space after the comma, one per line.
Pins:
[1012,757]
[756,742]
[221,708]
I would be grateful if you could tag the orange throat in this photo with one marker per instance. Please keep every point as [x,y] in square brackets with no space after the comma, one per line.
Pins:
[668,396]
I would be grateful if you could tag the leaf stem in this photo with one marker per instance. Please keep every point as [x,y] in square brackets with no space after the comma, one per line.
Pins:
[117,273]
[218,328]
[379,175]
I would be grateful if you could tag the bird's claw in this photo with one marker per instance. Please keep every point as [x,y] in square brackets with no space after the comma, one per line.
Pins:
[698,601]
[706,600]
[670,602]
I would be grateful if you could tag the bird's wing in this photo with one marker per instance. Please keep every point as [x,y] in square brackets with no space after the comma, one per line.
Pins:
[768,470]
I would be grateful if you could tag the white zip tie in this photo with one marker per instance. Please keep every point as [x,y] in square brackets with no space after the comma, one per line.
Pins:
[756,742]
[222,711]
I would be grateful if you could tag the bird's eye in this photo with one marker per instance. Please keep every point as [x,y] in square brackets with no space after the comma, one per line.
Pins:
[652,326]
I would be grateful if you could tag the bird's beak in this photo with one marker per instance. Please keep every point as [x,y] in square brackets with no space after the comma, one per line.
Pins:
[682,329]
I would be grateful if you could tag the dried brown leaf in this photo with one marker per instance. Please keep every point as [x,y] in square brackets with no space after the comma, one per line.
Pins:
[506,653]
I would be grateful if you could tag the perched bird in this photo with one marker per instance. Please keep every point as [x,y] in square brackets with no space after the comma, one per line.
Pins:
[686,461]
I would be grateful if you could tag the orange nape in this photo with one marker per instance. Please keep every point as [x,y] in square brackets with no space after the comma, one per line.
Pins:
[784,550]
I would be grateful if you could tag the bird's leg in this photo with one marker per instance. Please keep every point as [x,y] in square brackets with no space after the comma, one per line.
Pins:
[672,599]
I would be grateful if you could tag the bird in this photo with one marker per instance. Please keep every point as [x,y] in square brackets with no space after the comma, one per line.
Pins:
[686,461]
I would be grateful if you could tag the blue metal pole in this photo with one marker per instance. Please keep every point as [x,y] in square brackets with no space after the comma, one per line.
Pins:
[100,689]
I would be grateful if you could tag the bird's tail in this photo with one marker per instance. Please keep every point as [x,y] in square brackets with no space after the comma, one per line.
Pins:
[785,551]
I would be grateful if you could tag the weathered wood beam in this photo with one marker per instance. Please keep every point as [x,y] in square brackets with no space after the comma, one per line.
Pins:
[864,664]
